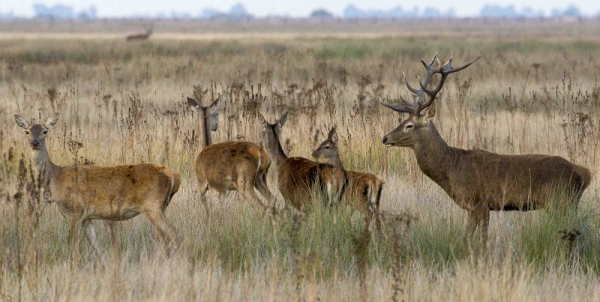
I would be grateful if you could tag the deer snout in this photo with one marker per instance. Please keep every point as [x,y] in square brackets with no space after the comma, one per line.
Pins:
[35,143]
[387,141]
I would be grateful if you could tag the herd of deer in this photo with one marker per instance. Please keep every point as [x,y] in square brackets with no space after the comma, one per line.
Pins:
[478,181]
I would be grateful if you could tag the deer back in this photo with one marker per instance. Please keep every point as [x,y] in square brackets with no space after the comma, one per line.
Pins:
[221,164]
[299,179]
[364,190]
[511,182]
[113,193]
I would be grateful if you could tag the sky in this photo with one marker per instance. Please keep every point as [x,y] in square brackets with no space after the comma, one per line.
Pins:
[293,8]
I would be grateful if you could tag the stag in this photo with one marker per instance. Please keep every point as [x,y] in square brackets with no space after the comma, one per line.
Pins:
[113,193]
[140,36]
[364,189]
[298,178]
[235,165]
[480,181]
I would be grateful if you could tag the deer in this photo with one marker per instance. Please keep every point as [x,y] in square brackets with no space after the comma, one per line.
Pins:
[299,178]
[236,165]
[480,181]
[140,36]
[364,189]
[110,193]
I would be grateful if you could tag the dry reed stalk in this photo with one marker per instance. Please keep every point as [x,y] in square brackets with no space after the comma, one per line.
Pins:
[400,228]
[361,252]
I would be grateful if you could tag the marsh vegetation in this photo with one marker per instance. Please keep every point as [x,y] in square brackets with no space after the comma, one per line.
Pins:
[126,103]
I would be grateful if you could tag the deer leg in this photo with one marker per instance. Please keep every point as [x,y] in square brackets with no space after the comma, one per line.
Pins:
[164,229]
[74,231]
[479,218]
[261,185]
[246,190]
[330,193]
[472,222]
[374,209]
[368,217]
[72,227]
[90,234]
[115,235]
[204,199]
[222,195]
[484,225]
[202,187]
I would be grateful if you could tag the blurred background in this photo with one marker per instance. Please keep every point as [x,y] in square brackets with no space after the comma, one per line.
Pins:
[118,72]
[256,9]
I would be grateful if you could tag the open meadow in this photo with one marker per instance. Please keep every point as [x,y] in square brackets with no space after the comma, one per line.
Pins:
[535,89]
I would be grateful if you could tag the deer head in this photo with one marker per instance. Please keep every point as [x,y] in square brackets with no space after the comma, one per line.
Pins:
[328,149]
[271,132]
[209,113]
[409,132]
[36,133]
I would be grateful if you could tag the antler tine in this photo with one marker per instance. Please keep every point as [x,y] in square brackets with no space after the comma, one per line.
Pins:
[399,108]
[449,63]
[445,70]
[415,91]
[430,71]
[448,69]
[430,65]
[420,104]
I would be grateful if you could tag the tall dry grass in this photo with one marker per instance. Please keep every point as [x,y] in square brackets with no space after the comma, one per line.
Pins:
[124,103]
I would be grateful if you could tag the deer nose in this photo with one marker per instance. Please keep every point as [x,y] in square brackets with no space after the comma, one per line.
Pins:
[35,143]
[384,139]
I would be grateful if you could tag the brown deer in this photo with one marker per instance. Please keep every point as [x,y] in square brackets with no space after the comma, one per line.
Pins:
[140,36]
[235,165]
[364,189]
[480,181]
[113,193]
[298,178]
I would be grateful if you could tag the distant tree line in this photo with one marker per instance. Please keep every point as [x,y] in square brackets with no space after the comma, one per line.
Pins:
[239,11]
[42,11]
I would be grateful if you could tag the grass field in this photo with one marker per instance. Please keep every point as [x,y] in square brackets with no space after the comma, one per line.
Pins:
[535,90]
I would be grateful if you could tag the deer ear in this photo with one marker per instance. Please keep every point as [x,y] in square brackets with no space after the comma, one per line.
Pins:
[21,122]
[333,136]
[51,121]
[216,105]
[430,111]
[282,120]
[193,103]
[260,118]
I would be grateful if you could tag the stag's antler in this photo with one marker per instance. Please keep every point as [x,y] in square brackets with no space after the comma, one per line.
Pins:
[418,106]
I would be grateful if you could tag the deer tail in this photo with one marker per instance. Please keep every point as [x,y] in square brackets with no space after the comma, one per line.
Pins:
[586,176]
[175,180]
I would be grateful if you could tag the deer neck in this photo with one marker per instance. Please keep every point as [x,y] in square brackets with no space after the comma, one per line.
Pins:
[273,145]
[206,131]
[46,168]
[434,156]
[336,161]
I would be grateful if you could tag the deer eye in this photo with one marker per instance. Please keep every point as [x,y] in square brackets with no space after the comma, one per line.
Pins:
[45,132]
[27,132]
[326,147]
[409,126]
